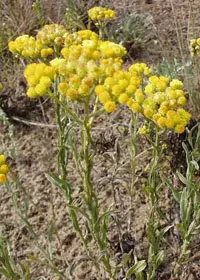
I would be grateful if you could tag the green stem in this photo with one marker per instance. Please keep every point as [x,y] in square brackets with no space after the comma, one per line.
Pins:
[154,170]
[90,195]
[62,120]
[133,146]
[154,244]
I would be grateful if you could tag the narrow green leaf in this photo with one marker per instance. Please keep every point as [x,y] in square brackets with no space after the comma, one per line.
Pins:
[183,179]
[136,268]
[160,257]
[81,211]
[4,272]
[62,184]
[176,194]
[195,164]
[53,178]
[183,205]
[51,232]
[126,258]
[187,153]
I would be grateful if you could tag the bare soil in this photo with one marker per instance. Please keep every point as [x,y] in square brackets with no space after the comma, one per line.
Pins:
[33,133]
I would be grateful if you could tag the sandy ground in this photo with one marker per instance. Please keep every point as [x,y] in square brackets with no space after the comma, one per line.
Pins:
[35,145]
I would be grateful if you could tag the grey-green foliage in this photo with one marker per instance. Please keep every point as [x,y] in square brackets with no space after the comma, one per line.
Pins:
[134,30]
[188,198]
[174,68]
[9,268]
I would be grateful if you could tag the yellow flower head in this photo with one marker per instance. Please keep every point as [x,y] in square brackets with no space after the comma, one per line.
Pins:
[104,97]
[4,169]
[25,46]
[2,159]
[3,178]
[110,106]
[144,130]
[100,14]
[51,34]
[87,35]
[123,98]
[195,47]
[31,93]
[39,77]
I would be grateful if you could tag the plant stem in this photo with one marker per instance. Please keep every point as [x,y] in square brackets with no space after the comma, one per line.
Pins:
[90,194]
[153,201]
[133,146]
[62,122]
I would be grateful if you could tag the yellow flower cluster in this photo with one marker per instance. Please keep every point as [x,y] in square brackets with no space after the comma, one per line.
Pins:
[86,65]
[195,47]
[77,38]
[87,35]
[39,77]
[164,101]
[122,86]
[155,97]
[41,47]
[4,169]
[100,13]
[28,47]
[144,130]
[52,34]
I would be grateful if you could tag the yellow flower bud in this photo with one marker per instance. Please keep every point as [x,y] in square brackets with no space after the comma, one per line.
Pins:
[99,89]
[149,89]
[154,80]
[139,97]
[109,82]
[3,179]
[41,89]
[176,84]
[46,52]
[123,98]
[4,168]
[143,130]
[104,97]
[171,114]
[110,106]
[2,159]
[136,107]
[31,93]
[11,46]
[161,122]
[72,94]
[155,117]
[130,102]
[148,113]
[84,90]
[131,89]
[63,87]
[116,90]
[123,83]
[32,80]
[169,123]
[182,100]
[179,128]
[46,81]
[161,85]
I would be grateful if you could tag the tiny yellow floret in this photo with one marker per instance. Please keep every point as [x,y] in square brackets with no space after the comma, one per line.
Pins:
[3,179]
[110,106]
[4,168]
